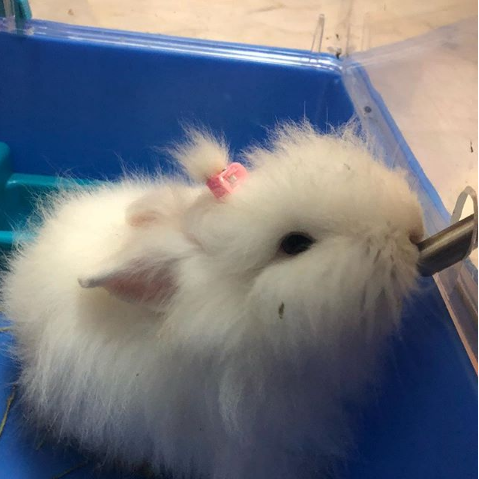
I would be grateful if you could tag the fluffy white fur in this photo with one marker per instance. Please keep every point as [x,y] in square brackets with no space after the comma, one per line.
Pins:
[176,352]
[202,155]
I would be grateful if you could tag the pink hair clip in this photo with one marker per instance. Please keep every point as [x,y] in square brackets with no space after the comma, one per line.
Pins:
[228,180]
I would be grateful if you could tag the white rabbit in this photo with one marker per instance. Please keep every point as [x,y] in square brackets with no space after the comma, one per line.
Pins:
[219,337]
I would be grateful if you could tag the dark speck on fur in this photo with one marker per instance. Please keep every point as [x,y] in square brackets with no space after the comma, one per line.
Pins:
[281,310]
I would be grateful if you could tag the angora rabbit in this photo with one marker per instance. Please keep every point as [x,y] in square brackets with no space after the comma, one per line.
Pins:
[218,335]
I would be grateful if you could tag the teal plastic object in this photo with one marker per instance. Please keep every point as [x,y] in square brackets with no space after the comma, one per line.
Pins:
[21,7]
[19,195]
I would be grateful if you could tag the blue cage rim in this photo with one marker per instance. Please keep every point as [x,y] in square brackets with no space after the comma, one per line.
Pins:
[167,43]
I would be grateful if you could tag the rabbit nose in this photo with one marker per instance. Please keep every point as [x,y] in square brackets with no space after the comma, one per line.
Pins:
[415,237]
[416,232]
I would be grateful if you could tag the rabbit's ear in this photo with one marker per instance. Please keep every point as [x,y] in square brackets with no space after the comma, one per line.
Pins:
[150,210]
[135,281]
[144,268]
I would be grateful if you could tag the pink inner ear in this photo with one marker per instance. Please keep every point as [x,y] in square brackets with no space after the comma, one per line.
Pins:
[140,288]
[142,219]
[142,212]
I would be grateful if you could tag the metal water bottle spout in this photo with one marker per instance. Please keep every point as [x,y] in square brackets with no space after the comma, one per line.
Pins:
[447,247]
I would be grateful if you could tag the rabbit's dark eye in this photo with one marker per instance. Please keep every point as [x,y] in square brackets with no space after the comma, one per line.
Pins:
[296,243]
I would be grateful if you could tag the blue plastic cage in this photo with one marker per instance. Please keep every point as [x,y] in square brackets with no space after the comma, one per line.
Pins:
[85,103]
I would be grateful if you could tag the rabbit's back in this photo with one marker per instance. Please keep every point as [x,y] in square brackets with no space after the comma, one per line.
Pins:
[85,355]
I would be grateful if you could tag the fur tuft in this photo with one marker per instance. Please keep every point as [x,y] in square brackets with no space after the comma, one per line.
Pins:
[202,155]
